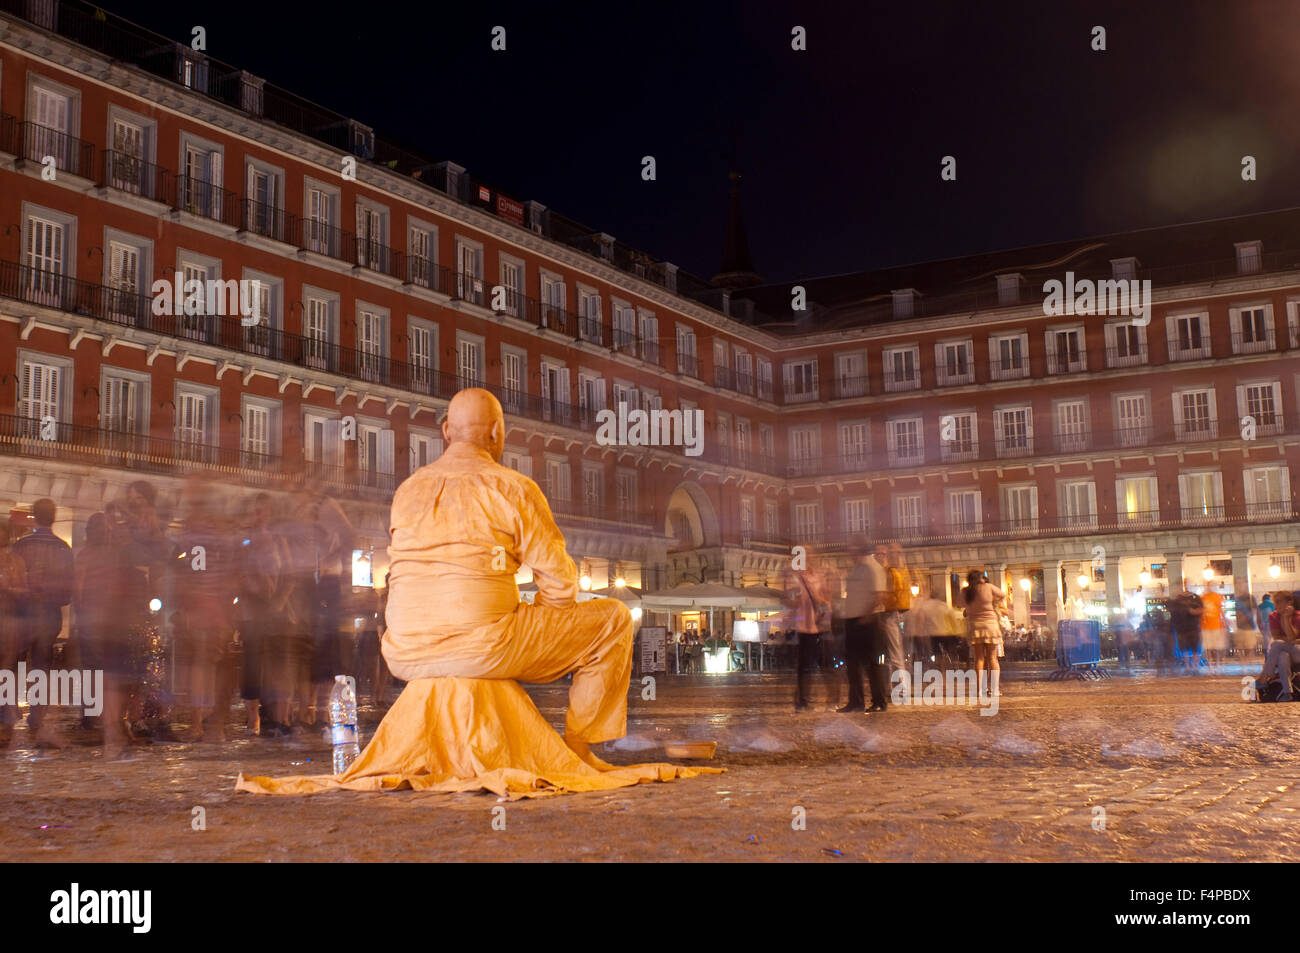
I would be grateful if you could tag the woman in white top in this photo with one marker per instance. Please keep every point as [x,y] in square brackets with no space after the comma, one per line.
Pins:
[984,628]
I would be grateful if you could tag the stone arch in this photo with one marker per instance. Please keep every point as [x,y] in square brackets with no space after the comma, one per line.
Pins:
[691,520]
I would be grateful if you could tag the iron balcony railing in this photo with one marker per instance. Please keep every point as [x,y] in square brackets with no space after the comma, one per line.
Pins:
[208,200]
[36,142]
[128,173]
[270,222]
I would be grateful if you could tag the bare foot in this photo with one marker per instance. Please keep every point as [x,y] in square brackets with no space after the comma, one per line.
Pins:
[583,750]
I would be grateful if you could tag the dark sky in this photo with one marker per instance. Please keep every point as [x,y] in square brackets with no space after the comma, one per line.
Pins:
[840,146]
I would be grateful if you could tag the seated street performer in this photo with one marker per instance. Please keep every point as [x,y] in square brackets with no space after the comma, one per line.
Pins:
[461,528]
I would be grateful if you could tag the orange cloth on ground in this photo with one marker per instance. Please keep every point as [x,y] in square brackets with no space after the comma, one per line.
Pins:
[462,734]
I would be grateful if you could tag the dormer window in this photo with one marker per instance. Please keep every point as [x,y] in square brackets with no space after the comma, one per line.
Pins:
[1009,288]
[905,302]
[1124,269]
[1250,257]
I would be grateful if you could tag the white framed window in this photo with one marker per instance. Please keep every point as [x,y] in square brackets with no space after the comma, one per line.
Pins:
[1126,344]
[372,340]
[512,280]
[263,200]
[133,141]
[260,338]
[591,395]
[322,439]
[1132,420]
[55,111]
[1013,431]
[909,515]
[198,412]
[625,393]
[1066,350]
[514,374]
[965,513]
[625,485]
[744,371]
[1267,490]
[260,431]
[855,444]
[376,453]
[48,253]
[1073,425]
[469,270]
[687,359]
[766,445]
[1137,499]
[553,300]
[558,488]
[764,378]
[902,367]
[851,374]
[1078,504]
[771,519]
[1262,402]
[422,352]
[320,328]
[556,399]
[800,380]
[648,340]
[123,401]
[856,517]
[1020,507]
[425,447]
[593,488]
[744,442]
[128,263]
[746,518]
[1252,328]
[806,518]
[198,273]
[1201,496]
[44,385]
[1293,322]
[625,325]
[518,460]
[959,436]
[469,359]
[422,254]
[1195,416]
[805,449]
[1189,336]
[321,218]
[200,189]
[372,235]
[1250,257]
[591,316]
[721,363]
[1009,355]
[954,362]
[905,441]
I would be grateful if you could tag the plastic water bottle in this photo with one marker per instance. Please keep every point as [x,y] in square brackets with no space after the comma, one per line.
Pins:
[343,723]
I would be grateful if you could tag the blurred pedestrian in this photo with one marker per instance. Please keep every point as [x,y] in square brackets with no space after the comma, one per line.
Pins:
[263,574]
[898,601]
[1185,617]
[102,627]
[49,564]
[866,586]
[1214,628]
[13,586]
[810,607]
[982,600]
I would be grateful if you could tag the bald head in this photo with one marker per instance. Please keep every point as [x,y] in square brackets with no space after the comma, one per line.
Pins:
[474,416]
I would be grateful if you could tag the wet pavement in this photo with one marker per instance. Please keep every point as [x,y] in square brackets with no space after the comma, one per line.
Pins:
[1134,768]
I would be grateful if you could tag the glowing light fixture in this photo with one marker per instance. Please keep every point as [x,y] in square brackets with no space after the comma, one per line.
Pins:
[1083,581]
[155,604]
[620,582]
[636,613]
[916,590]
[1026,584]
[1207,573]
[585,583]
[1274,570]
[1144,577]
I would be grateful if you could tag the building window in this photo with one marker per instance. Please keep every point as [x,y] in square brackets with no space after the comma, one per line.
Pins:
[958,436]
[1133,425]
[512,280]
[804,450]
[1263,404]
[593,488]
[1009,356]
[965,515]
[49,255]
[764,378]
[1250,257]
[43,387]
[905,441]
[1252,329]
[469,360]
[469,271]
[1189,337]
[1020,508]
[909,519]
[422,338]
[376,456]
[591,318]
[518,460]
[901,365]
[128,272]
[372,237]
[322,215]
[199,190]
[1194,416]
[851,374]
[371,335]
[1267,491]
[553,301]
[514,367]
[953,363]
[1072,426]
[855,444]
[625,482]
[742,442]
[766,446]
[263,196]
[771,520]
[557,480]
[1013,431]
[800,380]
[317,329]
[1065,351]
[425,448]
[648,342]
[591,396]
[857,517]
[421,248]
[124,402]
[1136,499]
[1201,495]
[624,327]
[1126,345]
[807,522]
[744,372]
[687,361]
[196,422]
[260,437]
[1078,504]
[746,518]
[555,391]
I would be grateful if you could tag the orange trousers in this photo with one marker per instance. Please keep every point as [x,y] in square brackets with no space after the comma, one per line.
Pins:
[593,640]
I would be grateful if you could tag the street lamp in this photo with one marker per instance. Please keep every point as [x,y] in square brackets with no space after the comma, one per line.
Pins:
[1144,577]
[620,582]
[916,590]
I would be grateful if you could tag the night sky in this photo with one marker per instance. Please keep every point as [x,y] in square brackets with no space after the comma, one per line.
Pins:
[839,146]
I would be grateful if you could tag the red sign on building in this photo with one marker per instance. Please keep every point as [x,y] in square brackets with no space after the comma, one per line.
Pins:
[510,210]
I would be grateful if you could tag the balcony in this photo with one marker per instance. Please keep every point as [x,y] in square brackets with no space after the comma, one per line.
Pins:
[955,373]
[1196,428]
[29,140]
[127,173]
[1021,445]
[1256,341]
[744,382]
[1073,442]
[959,451]
[208,201]
[1067,362]
[271,222]
[1013,368]
[722,377]
[1190,348]
[688,364]
[1126,356]
[592,329]
[894,381]
[854,386]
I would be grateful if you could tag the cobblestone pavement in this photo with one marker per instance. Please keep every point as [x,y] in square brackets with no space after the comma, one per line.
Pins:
[1182,768]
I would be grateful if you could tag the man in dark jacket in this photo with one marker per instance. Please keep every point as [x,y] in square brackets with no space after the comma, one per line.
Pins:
[49,588]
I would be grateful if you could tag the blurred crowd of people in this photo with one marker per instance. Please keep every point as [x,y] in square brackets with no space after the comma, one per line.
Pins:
[180,616]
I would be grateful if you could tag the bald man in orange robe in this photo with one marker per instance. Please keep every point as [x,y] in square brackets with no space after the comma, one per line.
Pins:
[461,528]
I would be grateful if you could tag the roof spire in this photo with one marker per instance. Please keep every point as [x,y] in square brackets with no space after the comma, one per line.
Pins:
[737,267]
